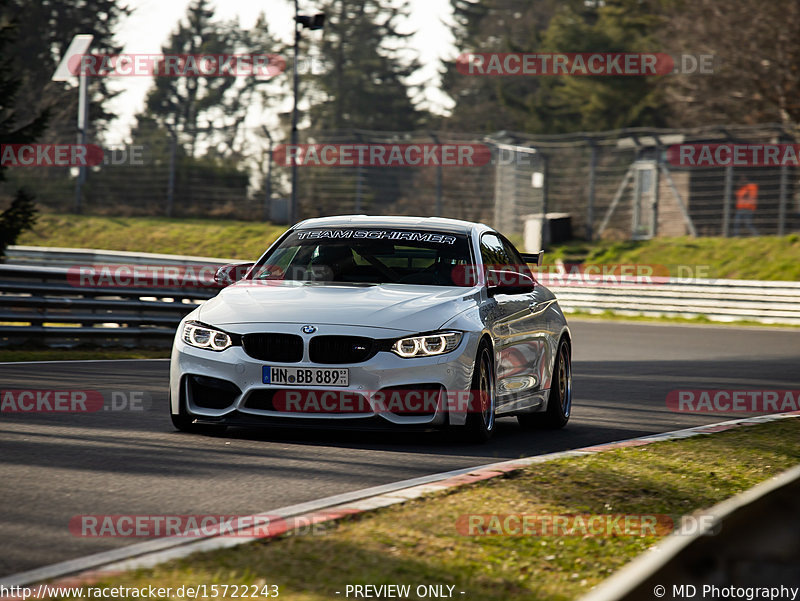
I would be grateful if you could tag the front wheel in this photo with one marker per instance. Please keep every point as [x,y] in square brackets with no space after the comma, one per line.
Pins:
[480,419]
[559,405]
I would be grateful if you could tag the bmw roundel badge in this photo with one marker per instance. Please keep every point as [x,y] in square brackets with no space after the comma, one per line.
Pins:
[309,329]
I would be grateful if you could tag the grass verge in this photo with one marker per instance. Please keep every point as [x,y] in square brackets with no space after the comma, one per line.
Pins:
[8,355]
[418,543]
[201,237]
[760,258]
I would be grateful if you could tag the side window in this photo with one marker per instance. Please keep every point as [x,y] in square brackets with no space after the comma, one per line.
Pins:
[493,252]
[519,265]
[494,255]
[503,261]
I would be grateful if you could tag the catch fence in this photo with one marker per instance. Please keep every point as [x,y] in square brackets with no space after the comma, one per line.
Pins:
[621,185]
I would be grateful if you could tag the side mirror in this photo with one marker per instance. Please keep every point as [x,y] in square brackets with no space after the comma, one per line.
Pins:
[508,282]
[231,273]
[533,258]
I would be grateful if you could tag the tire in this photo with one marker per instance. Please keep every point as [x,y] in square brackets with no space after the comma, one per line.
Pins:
[559,405]
[481,424]
[184,421]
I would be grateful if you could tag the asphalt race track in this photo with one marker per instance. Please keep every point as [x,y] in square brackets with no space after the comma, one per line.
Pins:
[55,466]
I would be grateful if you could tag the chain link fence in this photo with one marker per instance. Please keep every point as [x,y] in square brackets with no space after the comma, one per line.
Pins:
[618,185]
[632,185]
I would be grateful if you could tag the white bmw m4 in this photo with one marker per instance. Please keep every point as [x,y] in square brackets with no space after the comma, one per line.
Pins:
[376,322]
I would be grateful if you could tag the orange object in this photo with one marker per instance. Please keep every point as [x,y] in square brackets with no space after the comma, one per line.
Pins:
[747,197]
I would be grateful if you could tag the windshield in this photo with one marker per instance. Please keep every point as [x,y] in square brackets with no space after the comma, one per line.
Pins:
[374,256]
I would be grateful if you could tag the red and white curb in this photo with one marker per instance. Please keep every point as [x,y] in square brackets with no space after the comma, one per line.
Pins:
[93,568]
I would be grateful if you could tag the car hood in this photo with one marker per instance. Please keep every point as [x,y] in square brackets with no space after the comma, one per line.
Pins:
[395,306]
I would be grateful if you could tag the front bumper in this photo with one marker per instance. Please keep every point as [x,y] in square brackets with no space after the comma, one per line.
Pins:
[240,400]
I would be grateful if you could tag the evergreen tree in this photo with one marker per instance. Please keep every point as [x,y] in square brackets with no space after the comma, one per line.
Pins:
[17,218]
[561,103]
[207,110]
[365,86]
[486,103]
[14,129]
[598,103]
[45,29]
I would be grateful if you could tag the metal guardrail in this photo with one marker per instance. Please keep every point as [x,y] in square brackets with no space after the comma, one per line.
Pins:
[45,305]
[41,303]
[718,300]
[69,257]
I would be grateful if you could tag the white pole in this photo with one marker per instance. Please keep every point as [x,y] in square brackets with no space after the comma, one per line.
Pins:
[65,71]
[83,120]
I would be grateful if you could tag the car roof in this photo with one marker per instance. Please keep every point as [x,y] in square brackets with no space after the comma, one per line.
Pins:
[415,223]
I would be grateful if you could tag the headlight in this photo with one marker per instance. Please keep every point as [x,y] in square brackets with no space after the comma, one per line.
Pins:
[426,346]
[200,336]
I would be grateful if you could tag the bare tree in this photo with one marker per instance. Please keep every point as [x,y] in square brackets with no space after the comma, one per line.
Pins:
[756,49]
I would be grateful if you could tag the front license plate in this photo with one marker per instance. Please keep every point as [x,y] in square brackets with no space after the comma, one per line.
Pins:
[308,376]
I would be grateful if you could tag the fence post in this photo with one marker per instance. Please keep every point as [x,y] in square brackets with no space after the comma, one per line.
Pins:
[592,183]
[173,150]
[656,193]
[684,210]
[726,207]
[358,208]
[268,187]
[782,199]
[617,197]
[498,189]
[435,139]
[439,190]
[545,186]
[359,193]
